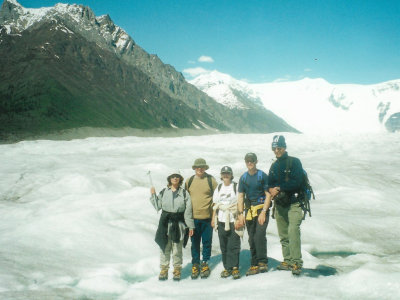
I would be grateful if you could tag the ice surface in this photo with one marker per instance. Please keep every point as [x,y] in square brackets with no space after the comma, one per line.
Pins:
[76,220]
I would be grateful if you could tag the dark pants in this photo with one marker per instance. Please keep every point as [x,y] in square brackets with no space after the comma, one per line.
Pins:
[202,233]
[258,239]
[229,242]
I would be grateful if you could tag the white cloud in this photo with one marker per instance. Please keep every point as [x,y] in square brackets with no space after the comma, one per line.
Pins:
[307,70]
[193,72]
[207,59]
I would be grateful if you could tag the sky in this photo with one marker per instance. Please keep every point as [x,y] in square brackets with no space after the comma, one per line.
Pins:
[342,41]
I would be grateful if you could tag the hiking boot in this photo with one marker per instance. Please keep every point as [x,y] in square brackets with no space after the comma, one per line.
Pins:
[235,273]
[263,267]
[177,273]
[195,271]
[205,270]
[283,266]
[253,270]
[226,273]
[163,273]
[296,269]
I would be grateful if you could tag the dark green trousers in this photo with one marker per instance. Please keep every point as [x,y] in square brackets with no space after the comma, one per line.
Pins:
[288,220]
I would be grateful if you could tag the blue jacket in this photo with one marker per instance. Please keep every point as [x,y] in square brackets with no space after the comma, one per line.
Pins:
[277,175]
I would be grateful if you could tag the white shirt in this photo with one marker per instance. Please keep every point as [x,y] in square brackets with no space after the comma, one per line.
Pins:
[225,196]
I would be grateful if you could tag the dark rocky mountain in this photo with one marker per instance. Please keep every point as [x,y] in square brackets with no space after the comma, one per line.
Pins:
[63,68]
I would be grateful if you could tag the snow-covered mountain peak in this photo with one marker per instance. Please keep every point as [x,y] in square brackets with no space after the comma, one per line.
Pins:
[77,18]
[225,89]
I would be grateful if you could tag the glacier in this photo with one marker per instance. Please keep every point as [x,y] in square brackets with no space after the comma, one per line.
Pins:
[77,222]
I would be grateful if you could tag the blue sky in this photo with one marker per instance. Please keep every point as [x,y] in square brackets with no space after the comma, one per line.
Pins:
[342,41]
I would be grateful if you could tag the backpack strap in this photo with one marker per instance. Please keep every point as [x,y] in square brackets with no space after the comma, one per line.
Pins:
[289,162]
[235,187]
[162,192]
[190,181]
[209,180]
[219,187]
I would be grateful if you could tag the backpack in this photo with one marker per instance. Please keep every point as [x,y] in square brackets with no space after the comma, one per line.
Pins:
[259,180]
[305,191]
[209,180]
[234,187]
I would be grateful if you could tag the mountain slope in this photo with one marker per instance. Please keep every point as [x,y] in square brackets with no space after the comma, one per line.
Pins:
[61,67]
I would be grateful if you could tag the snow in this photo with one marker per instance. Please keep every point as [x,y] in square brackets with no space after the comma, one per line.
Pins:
[311,105]
[77,222]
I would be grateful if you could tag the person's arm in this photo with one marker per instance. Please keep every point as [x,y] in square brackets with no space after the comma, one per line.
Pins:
[189,214]
[267,204]
[240,207]
[155,201]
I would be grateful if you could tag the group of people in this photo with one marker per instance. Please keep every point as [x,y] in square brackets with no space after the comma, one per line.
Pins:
[202,205]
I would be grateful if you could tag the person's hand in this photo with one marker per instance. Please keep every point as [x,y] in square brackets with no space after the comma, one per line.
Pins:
[239,222]
[191,232]
[262,217]
[212,223]
[274,191]
[152,190]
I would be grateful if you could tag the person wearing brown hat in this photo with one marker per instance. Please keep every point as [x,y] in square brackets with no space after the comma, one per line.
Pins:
[201,187]
[254,200]
[176,223]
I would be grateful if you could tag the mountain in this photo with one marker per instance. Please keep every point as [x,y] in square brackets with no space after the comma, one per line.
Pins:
[314,105]
[62,67]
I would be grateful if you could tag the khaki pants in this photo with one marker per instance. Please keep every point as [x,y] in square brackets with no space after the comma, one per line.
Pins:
[176,249]
[288,220]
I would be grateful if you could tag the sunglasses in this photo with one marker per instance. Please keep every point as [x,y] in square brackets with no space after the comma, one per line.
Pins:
[175,176]
[277,149]
[249,161]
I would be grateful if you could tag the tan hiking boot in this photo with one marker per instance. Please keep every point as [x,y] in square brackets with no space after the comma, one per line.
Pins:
[177,273]
[283,266]
[225,273]
[205,270]
[235,273]
[163,273]
[195,271]
[253,270]
[263,267]
[296,269]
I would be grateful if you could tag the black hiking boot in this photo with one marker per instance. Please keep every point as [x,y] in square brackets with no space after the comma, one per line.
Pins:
[177,273]
[235,273]
[283,266]
[296,270]
[253,270]
[226,273]
[163,274]
[195,271]
[263,267]
[205,270]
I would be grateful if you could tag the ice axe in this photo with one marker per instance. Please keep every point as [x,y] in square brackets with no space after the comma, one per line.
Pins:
[150,180]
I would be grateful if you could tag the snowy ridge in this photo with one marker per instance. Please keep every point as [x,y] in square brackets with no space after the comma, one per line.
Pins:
[313,105]
[16,19]
[221,87]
